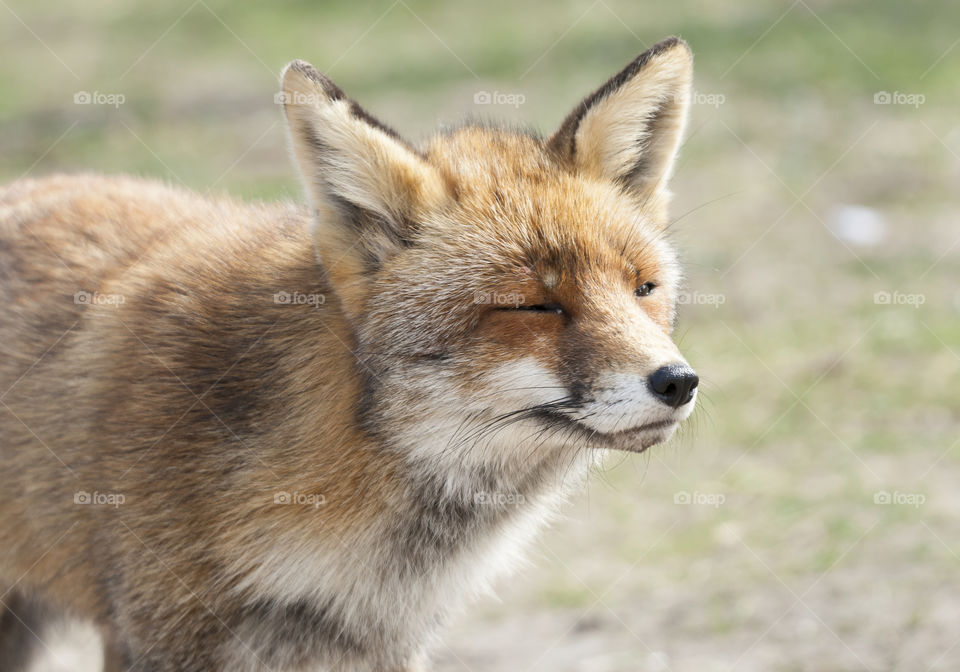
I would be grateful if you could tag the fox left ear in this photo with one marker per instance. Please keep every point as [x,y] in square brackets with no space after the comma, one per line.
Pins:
[629,130]
[367,186]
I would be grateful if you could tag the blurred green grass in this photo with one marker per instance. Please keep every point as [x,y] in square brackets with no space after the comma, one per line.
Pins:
[815,397]
[207,70]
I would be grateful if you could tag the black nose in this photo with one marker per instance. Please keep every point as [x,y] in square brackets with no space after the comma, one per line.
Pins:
[674,384]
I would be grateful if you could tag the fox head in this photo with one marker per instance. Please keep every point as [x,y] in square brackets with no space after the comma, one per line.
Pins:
[510,297]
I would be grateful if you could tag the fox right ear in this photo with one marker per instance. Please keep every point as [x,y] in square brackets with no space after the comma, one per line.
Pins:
[366,185]
[629,130]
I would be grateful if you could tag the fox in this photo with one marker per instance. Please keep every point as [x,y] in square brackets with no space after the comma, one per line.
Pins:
[282,437]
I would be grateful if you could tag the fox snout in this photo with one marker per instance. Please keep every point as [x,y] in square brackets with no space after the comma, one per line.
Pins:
[674,384]
[634,383]
[622,403]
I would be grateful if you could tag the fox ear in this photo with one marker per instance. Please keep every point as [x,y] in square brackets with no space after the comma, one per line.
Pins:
[366,184]
[629,130]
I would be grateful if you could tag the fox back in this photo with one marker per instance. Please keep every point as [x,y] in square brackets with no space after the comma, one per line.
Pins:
[275,437]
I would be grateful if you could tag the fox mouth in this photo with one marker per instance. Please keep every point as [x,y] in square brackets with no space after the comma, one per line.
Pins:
[633,439]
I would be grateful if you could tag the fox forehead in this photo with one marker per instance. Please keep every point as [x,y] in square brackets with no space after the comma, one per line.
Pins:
[521,229]
[477,156]
[539,220]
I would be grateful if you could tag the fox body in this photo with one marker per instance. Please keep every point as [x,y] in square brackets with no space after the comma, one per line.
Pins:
[267,437]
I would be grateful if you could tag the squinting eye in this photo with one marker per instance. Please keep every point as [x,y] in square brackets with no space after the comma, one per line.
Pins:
[644,289]
[537,308]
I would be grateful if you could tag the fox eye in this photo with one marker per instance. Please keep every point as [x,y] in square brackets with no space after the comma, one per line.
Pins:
[537,308]
[644,289]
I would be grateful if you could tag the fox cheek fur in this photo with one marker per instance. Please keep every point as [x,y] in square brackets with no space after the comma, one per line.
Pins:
[222,479]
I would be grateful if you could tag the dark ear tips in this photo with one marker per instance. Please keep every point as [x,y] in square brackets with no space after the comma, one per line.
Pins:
[304,70]
[636,65]
[663,46]
[669,43]
[562,143]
